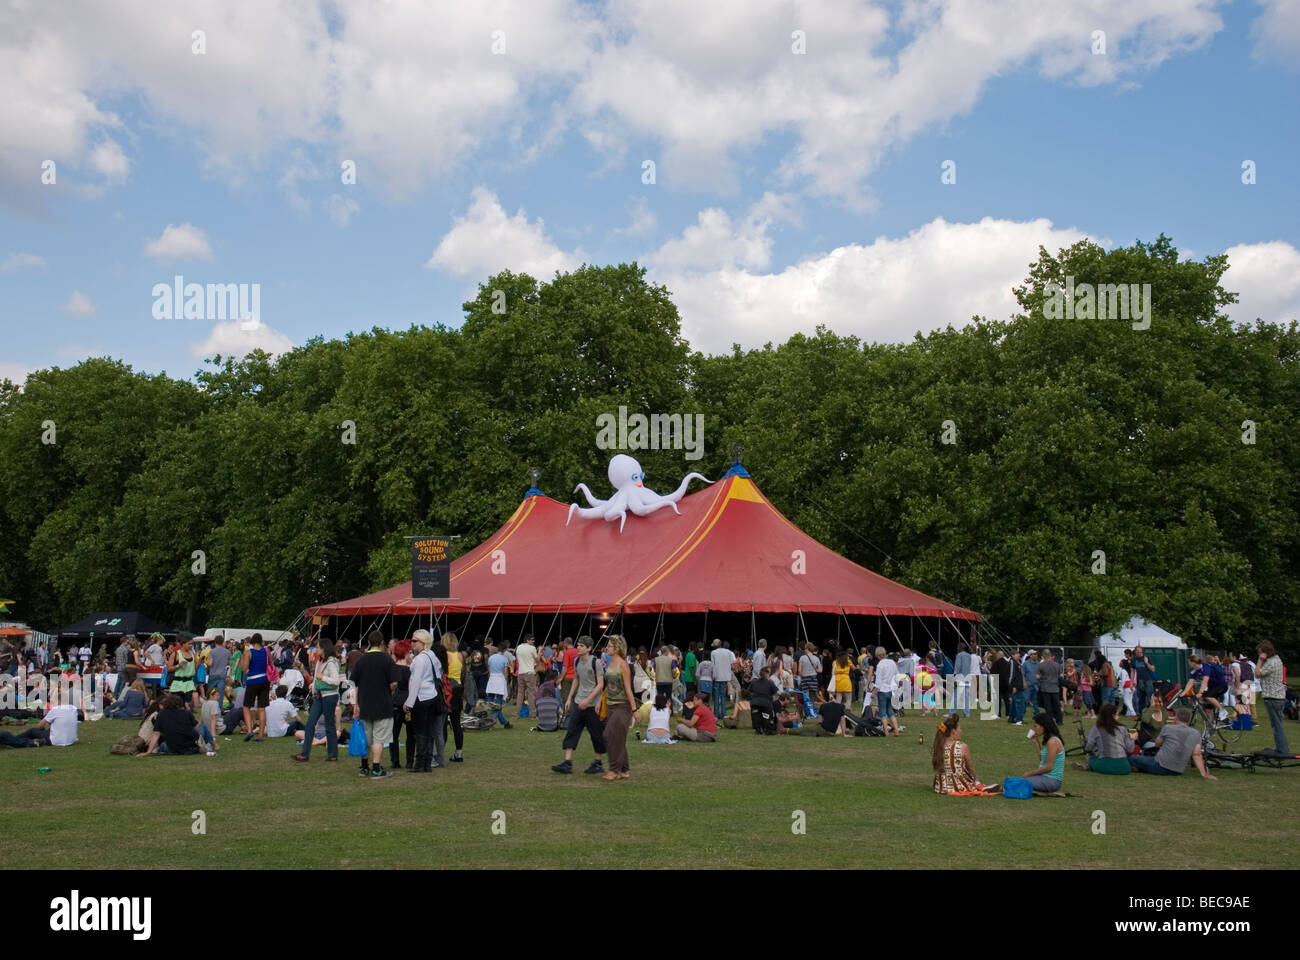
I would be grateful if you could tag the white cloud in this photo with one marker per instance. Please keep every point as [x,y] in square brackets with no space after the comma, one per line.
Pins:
[714,240]
[939,274]
[410,92]
[341,209]
[16,372]
[78,304]
[485,241]
[1266,276]
[110,161]
[708,80]
[299,169]
[1277,32]
[184,242]
[21,261]
[237,338]
[642,220]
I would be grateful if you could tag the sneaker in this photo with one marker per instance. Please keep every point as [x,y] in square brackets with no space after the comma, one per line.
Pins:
[1019,723]
[458,759]
[378,772]
[300,758]
[329,759]
[247,738]
[506,725]
[563,767]
[434,766]
[363,772]
[212,753]
[596,767]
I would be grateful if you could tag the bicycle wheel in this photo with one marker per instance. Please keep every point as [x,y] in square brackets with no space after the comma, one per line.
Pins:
[1223,730]
[1198,722]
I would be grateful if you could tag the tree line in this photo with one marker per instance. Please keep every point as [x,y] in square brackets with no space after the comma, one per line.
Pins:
[1056,474]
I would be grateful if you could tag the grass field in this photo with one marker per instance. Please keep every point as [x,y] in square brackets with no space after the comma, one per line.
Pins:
[867,802]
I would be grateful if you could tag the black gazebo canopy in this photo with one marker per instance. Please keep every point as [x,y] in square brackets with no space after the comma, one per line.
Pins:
[103,626]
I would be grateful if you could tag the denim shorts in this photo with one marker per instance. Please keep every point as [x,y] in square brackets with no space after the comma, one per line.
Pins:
[884,704]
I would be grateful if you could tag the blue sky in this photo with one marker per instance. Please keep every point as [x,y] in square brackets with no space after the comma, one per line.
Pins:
[790,189]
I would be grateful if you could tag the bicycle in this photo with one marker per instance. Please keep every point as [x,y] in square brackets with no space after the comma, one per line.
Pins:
[1206,720]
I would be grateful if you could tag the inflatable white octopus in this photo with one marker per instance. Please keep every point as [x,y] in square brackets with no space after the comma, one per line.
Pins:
[626,477]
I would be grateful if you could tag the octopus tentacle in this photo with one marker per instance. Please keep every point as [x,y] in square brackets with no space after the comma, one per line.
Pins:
[681,491]
[587,513]
[591,501]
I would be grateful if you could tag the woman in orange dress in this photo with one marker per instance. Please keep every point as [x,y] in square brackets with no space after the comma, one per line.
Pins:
[953,773]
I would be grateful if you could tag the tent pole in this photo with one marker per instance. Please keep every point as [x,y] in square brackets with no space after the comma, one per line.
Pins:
[938,640]
[806,636]
[488,634]
[551,627]
[523,623]
[753,627]
[849,628]
[891,628]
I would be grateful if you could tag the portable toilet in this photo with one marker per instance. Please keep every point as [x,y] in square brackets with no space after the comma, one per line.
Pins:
[1167,653]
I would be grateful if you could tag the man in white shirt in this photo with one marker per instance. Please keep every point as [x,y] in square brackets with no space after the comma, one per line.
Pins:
[908,662]
[155,652]
[281,715]
[526,672]
[83,657]
[760,657]
[61,721]
[722,659]
[884,680]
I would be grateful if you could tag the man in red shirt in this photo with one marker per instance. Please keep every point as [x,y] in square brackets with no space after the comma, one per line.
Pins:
[703,725]
[566,676]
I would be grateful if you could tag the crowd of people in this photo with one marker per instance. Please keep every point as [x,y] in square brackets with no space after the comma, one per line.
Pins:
[188,694]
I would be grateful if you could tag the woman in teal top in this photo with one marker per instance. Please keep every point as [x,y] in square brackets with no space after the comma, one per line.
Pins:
[1051,756]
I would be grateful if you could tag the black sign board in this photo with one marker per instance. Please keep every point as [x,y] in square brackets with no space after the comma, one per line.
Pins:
[431,568]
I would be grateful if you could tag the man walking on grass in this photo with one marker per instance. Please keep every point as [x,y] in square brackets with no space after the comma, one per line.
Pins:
[589,684]
[375,676]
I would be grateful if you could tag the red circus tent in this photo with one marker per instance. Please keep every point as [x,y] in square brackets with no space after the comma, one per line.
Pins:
[729,550]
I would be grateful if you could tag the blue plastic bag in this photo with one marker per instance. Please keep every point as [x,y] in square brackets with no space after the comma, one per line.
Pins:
[1017,788]
[357,740]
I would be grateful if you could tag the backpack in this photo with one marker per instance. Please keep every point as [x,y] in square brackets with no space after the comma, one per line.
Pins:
[1247,671]
[128,745]
[1214,672]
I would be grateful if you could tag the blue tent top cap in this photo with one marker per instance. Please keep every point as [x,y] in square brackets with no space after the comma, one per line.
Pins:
[533,492]
[737,470]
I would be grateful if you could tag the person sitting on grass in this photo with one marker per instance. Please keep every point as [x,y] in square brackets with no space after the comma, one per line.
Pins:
[1109,744]
[702,727]
[1178,742]
[210,718]
[131,704]
[954,774]
[830,721]
[282,716]
[657,725]
[175,730]
[1047,778]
